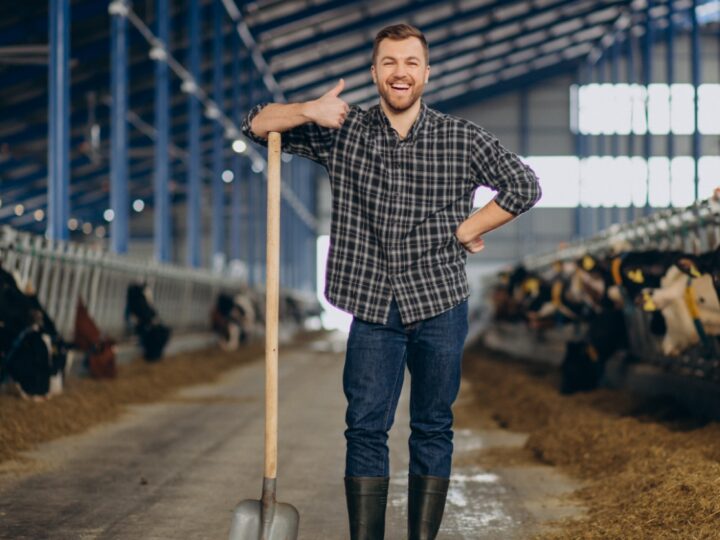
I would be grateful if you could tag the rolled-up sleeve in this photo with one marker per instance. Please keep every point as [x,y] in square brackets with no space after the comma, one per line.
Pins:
[307,140]
[501,170]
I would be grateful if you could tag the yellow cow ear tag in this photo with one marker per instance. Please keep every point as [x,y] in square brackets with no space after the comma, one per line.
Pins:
[532,286]
[648,303]
[588,263]
[636,276]
[694,272]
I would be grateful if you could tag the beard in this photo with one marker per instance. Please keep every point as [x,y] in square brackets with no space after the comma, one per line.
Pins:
[400,102]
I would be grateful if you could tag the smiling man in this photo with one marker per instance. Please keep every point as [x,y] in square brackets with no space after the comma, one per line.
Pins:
[402,178]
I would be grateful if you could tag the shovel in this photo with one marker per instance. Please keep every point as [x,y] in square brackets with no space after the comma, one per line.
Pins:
[268,519]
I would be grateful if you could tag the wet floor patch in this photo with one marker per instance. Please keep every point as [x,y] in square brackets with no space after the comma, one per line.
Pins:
[476,506]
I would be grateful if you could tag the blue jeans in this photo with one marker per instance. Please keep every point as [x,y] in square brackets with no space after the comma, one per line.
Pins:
[373,378]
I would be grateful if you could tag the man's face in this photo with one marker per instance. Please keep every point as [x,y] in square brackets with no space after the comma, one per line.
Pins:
[400,72]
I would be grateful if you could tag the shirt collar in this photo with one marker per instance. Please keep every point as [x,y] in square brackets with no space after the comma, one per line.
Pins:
[380,121]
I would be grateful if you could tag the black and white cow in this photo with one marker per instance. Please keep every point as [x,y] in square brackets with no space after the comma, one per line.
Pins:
[144,320]
[32,353]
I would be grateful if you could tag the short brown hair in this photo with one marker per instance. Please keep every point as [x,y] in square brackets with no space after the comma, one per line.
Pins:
[398,32]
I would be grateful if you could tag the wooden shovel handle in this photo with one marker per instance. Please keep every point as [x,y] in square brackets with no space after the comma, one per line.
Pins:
[272,293]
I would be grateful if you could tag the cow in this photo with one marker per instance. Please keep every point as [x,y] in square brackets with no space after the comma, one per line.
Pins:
[99,350]
[231,320]
[605,332]
[32,353]
[688,302]
[144,320]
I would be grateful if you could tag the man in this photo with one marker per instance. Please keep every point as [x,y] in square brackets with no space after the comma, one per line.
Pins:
[402,178]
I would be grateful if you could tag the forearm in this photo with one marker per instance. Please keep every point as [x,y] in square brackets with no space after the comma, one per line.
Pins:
[279,117]
[489,217]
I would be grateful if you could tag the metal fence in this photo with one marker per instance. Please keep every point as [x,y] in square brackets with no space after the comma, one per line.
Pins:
[62,272]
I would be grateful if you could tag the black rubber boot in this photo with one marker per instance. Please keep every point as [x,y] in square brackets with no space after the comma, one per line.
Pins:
[366,501]
[426,502]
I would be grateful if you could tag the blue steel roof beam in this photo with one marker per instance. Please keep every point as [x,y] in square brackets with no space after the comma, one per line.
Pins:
[78,136]
[23,20]
[82,193]
[37,178]
[102,119]
[33,129]
[89,206]
[141,133]
[371,24]
[100,73]
[258,58]
[141,172]
[454,52]
[508,85]
[261,21]
[267,78]
[473,63]
[93,77]
[79,175]
[193,85]
[85,47]
[443,26]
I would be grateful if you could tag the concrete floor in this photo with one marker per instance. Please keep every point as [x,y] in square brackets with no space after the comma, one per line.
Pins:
[176,469]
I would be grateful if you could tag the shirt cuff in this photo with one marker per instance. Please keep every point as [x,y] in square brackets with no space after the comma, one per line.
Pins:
[515,204]
[247,122]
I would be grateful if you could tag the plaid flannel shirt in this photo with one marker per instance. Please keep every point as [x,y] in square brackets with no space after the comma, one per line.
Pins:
[396,204]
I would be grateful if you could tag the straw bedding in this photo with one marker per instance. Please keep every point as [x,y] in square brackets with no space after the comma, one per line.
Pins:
[650,470]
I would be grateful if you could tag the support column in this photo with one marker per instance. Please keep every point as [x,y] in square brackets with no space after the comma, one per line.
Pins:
[239,172]
[194,223]
[696,80]
[252,198]
[58,196]
[614,138]
[218,214]
[119,191]
[647,79]
[599,220]
[162,223]
[630,76]
[670,63]
[580,141]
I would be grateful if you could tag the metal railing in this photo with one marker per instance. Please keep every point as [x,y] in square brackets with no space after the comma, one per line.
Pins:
[694,229]
[61,272]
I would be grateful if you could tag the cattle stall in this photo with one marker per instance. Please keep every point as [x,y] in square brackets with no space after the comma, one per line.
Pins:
[635,306]
[66,277]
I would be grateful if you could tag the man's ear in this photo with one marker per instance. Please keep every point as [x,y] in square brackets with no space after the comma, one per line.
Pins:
[372,73]
[427,74]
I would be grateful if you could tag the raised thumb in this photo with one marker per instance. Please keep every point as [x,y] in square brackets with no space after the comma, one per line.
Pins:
[335,91]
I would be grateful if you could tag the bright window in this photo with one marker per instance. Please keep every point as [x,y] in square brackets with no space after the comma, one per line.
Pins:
[683,183]
[659,109]
[608,181]
[558,179]
[619,108]
[709,118]
[708,176]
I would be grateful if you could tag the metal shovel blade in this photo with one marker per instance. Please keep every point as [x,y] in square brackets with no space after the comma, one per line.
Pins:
[266,519]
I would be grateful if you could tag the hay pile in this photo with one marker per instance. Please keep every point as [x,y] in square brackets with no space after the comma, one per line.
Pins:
[651,471]
[87,402]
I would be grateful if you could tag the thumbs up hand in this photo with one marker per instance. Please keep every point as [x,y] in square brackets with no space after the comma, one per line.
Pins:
[328,110]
